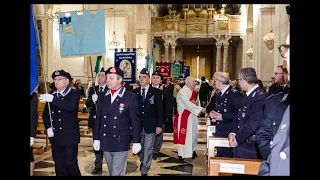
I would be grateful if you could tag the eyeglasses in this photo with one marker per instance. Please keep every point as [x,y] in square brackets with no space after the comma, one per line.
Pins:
[58,79]
[283,49]
[277,73]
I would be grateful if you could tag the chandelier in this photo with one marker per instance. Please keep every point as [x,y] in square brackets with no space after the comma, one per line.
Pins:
[269,38]
[114,41]
[53,13]
[250,52]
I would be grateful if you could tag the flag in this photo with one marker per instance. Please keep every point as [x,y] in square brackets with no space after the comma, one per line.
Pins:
[34,43]
[152,60]
[97,68]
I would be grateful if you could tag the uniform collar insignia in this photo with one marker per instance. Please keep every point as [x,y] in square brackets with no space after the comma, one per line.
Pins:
[121,92]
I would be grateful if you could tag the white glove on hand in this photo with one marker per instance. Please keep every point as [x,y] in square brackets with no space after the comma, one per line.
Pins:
[136,147]
[94,98]
[50,132]
[96,145]
[31,141]
[46,98]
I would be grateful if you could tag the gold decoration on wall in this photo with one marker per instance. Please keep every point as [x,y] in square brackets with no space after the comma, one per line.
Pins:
[223,25]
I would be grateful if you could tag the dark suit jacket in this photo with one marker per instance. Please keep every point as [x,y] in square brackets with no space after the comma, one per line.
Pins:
[275,106]
[90,104]
[33,114]
[247,124]
[151,110]
[64,113]
[113,121]
[228,105]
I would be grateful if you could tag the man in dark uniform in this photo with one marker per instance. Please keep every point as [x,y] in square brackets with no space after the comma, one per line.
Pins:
[275,106]
[64,132]
[245,127]
[33,126]
[226,109]
[117,112]
[151,118]
[167,103]
[94,93]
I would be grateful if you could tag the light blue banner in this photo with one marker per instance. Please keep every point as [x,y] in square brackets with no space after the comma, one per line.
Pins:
[82,34]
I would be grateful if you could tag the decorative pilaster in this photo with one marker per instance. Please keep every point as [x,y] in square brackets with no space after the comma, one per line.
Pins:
[225,57]
[218,58]
[173,51]
[166,51]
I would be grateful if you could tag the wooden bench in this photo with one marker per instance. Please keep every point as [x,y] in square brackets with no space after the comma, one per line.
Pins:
[233,166]
[212,144]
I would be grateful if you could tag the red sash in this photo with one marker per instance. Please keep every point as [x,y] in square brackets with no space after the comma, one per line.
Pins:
[181,138]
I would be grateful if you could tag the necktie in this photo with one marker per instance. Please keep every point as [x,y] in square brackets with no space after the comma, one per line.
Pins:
[101,88]
[59,94]
[143,94]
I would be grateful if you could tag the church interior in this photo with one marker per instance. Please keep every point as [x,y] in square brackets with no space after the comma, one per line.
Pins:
[205,38]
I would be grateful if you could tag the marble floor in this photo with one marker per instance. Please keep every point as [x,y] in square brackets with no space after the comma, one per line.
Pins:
[166,164]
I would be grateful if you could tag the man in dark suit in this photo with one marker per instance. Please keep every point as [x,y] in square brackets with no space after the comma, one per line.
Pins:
[94,94]
[62,124]
[245,127]
[226,109]
[34,124]
[117,112]
[167,103]
[151,118]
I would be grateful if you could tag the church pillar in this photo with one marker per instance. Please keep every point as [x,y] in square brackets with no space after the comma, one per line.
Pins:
[166,51]
[173,51]
[225,57]
[218,57]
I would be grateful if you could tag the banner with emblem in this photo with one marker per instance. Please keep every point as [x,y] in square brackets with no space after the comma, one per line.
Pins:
[164,68]
[126,61]
[186,71]
[175,69]
[82,33]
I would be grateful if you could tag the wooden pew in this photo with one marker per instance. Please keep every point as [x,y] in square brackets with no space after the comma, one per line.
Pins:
[233,165]
[212,144]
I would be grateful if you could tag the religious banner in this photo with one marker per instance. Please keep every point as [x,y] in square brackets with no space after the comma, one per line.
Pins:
[186,71]
[82,34]
[126,61]
[175,70]
[164,68]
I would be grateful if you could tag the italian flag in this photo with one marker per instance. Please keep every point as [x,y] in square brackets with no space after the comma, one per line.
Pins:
[97,69]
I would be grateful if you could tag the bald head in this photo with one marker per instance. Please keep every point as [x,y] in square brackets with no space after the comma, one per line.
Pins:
[190,82]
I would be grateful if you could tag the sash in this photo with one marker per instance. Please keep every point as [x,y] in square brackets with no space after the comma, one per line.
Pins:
[181,137]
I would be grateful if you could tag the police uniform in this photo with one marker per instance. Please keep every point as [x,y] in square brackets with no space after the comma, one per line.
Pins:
[228,105]
[151,117]
[247,124]
[99,90]
[167,103]
[275,106]
[65,125]
[112,126]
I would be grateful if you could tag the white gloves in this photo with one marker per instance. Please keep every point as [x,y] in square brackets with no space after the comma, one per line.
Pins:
[50,132]
[136,147]
[46,98]
[31,141]
[94,98]
[96,145]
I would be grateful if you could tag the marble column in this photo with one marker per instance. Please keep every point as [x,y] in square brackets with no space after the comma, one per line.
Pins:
[218,57]
[225,57]
[166,51]
[173,51]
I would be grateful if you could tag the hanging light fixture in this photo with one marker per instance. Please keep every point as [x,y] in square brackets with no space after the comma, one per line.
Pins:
[139,50]
[269,38]
[250,52]
[114,41]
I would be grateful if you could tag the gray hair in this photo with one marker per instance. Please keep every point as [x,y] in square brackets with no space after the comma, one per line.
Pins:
[223,79]
[249,74]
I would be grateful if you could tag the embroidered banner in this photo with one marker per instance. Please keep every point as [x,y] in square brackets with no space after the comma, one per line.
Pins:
[126,61]
[82,34]
[164,68]
[175,70]
[186,71]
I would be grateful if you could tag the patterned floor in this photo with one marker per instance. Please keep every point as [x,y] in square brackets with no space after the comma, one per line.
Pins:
[166,165]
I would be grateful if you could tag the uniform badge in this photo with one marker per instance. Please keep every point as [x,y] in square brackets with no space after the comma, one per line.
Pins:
[282,127]
[57,73]
[113,70]
[243,114]
[225,110]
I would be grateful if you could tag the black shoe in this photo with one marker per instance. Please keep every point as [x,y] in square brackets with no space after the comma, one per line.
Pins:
[144,174]
[181,159]
[154,156]
[194,155]
[141,166]
[96,171]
